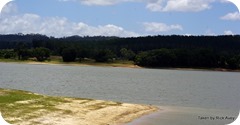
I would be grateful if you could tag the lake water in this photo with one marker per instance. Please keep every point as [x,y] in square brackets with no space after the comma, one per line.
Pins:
[203,89]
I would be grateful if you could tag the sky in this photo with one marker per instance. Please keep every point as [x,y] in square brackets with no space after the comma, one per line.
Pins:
[123,18]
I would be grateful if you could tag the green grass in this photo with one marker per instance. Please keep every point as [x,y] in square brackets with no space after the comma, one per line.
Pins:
[22,107]
[17,106]
[22,104]
[14,96]
[58,60]
[104,105]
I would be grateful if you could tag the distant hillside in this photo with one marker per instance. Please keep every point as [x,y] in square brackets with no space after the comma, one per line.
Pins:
[136,44]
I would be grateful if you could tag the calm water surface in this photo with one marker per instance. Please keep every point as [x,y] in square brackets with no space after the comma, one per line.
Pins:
[204,89]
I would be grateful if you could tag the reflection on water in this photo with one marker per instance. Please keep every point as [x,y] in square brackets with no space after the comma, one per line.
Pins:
[206,89]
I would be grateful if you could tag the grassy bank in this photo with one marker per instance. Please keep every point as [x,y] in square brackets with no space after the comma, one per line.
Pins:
[58,60]
[26,108]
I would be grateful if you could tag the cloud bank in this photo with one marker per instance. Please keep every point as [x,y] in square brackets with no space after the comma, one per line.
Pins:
[13,22]
[58,27]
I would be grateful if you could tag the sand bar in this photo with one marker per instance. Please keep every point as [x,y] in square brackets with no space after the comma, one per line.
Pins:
[26,108]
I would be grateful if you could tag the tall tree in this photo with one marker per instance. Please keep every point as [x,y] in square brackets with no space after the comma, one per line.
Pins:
[69,54]
[41,53]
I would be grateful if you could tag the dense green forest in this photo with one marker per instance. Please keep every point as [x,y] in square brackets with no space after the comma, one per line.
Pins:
[148,51]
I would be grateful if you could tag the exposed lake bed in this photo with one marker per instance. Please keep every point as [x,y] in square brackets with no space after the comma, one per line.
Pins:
[26,108]
[194,89]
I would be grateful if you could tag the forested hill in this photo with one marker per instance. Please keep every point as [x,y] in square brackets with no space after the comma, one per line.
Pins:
[136,44]
[10,41]
[185,42]
[149,51]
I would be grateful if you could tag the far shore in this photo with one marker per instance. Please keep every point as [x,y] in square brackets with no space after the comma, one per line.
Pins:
[86,64]
[121,64]
[126,64]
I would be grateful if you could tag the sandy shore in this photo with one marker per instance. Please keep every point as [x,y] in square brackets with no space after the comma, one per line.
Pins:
[97,113]
[80,112]
[85,64]
[35,109]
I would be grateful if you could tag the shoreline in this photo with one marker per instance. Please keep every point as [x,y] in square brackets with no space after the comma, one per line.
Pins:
[110,64]
[87,64]
[27,108]
[120,65]
[168,115]
[73,111]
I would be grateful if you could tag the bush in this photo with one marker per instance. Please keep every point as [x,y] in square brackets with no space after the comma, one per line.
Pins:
[127,54]
[104,56]
[7,54]
[41,53]
[69,55]
[156,58]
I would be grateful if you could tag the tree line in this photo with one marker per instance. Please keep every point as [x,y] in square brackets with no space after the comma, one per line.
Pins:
[148,51]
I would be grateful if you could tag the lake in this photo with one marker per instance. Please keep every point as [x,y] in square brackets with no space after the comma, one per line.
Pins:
[201,89]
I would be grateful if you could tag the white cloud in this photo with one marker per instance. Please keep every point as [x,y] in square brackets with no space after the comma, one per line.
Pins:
[160,27]
[231,16]
[224,1]
[179,5]
[228,32]
[188,34]
[9,9]
[100,2]
[57,26]
[66,0]
[158,5]
[209,32]
[155,5]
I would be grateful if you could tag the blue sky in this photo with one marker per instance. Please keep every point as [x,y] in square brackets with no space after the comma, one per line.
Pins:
[124,18]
